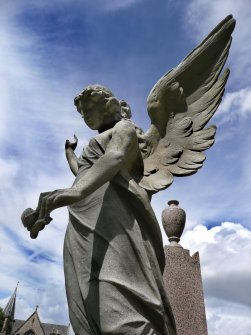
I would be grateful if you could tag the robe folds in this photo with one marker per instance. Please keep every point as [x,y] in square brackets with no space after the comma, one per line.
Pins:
[114,258]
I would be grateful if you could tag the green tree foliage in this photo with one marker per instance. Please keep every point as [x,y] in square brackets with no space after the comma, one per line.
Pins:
[1,318]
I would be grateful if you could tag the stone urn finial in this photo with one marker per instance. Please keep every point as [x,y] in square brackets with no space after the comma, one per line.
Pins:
[173,220]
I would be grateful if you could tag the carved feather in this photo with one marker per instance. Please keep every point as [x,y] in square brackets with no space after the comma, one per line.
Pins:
[180,105]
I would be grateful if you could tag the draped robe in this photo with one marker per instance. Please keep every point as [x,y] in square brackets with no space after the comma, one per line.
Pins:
[114,258]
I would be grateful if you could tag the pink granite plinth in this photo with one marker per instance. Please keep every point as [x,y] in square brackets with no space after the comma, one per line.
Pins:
[183,284]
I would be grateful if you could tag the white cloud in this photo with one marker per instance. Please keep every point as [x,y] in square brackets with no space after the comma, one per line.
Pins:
[230,319]
[9,169]
[15,7]
[40,273]
[236,104]
[202,15]
[38,115]
[114,5]
[225,255]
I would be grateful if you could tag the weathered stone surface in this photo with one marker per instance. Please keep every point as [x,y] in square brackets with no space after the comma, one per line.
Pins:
[183,285]
[173,221]
[113,254]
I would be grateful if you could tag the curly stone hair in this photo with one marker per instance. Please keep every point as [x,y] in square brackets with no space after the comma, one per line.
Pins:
[102,95]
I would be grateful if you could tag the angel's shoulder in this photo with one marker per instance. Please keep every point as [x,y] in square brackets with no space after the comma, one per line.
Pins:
[124,127]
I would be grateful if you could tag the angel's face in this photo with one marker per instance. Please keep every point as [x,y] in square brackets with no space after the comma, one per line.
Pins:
[97,116]
[92,113]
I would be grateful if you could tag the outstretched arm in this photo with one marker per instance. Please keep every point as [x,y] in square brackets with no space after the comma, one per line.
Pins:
[116,156]
[70,155]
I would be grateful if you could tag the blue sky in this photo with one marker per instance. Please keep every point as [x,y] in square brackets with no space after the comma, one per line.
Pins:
[49,52]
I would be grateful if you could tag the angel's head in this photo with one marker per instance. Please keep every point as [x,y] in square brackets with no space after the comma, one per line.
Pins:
[99,107]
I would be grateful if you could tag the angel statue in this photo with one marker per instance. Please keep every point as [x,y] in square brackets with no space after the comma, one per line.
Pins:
[113,250]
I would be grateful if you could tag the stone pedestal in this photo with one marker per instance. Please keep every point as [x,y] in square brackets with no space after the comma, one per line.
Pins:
[182,276]
[183,284]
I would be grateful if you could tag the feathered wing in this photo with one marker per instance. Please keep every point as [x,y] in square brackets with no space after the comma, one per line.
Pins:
[180,105]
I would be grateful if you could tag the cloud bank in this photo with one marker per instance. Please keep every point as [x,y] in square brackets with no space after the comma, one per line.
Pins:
[49,51]
[225,255]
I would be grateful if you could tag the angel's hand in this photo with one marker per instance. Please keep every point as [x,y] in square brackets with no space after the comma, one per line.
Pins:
[71,145]
[49,201]
[70,155]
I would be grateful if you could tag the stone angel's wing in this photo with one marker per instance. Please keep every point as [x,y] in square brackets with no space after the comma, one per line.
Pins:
[180,105]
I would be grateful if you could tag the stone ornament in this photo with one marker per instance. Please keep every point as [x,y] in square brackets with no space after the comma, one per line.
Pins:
[173,220]
[113,248]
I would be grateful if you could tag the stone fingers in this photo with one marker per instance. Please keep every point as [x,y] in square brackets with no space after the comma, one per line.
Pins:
[45,206]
